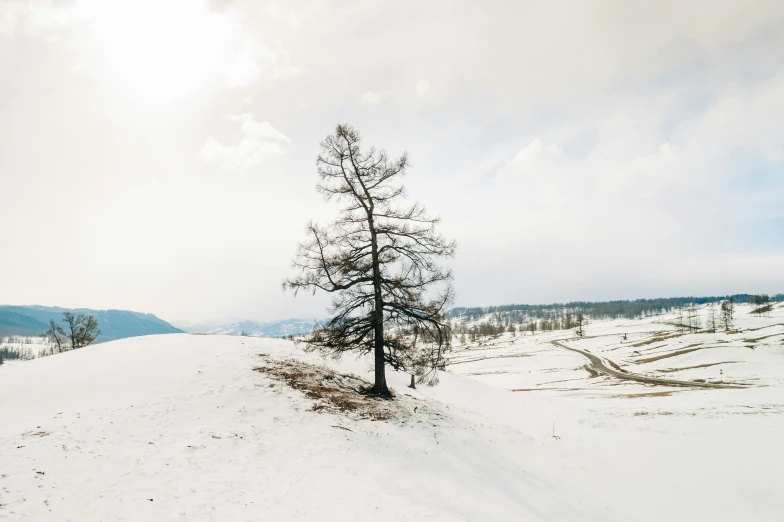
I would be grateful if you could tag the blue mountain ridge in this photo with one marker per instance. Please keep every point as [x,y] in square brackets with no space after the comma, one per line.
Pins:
[114,324]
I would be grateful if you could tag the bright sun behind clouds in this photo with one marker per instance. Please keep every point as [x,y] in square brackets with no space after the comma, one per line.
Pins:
[160,50]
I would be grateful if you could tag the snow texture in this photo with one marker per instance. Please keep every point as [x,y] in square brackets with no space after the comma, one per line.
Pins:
[192,427]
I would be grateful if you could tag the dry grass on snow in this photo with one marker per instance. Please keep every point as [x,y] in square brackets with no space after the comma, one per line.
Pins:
[332,392]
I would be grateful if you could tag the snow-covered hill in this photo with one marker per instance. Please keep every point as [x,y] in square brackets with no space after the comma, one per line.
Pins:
[182,428]
[199,428]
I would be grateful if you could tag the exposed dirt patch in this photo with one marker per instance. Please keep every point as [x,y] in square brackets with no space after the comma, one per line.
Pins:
[482,347]
[764,327]
[647,394]
[36,434]
[591,371]
[549,389]
[649,349]
[559,381]
[656,339]
[499,372]
[332,392]
[761,338]
[551,370]
[706,365]
[688,349]
[592,337]
[477,359]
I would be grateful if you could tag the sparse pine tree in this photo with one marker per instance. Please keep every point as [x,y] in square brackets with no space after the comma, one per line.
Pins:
[712,317]
[693,318]
[679,319]
[754,302]
[579,320]
[378,258]
[726,315]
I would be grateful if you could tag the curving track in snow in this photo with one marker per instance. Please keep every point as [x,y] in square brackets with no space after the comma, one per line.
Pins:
[600,366]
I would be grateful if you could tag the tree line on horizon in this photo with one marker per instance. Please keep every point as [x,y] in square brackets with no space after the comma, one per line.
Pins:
[627,309]
[475,324]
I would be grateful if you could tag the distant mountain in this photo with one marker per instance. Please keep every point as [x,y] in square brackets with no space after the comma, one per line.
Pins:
[276,329]
[114,324]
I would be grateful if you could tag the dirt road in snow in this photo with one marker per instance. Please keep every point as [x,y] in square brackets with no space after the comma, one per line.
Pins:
[599,365]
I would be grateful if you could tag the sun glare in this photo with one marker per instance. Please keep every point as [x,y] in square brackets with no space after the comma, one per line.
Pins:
[159,49]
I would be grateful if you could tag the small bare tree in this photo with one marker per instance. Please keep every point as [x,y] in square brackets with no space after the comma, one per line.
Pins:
[56,335]
[82,329]
[693,318]
[378,258]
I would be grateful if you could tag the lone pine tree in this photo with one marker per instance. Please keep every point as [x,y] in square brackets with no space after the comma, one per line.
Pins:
[379,259]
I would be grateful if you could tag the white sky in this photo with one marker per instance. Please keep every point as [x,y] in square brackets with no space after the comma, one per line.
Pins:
[158,155]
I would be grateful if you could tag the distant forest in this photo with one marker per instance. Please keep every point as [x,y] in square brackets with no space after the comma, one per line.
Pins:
[600,310]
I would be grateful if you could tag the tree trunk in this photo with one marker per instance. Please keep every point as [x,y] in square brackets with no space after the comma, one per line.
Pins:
[413,384]
[380,385]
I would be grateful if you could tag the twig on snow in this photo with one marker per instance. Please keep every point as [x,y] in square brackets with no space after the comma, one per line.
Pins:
[342,428]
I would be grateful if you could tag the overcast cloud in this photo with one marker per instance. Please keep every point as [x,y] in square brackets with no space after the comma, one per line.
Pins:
[159,155]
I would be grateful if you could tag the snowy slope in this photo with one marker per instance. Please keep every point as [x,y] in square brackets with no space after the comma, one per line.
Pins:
[666,452]
[752,353]
[180,427]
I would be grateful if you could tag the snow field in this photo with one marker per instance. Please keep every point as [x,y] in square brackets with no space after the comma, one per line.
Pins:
[185,420]
[180,427]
